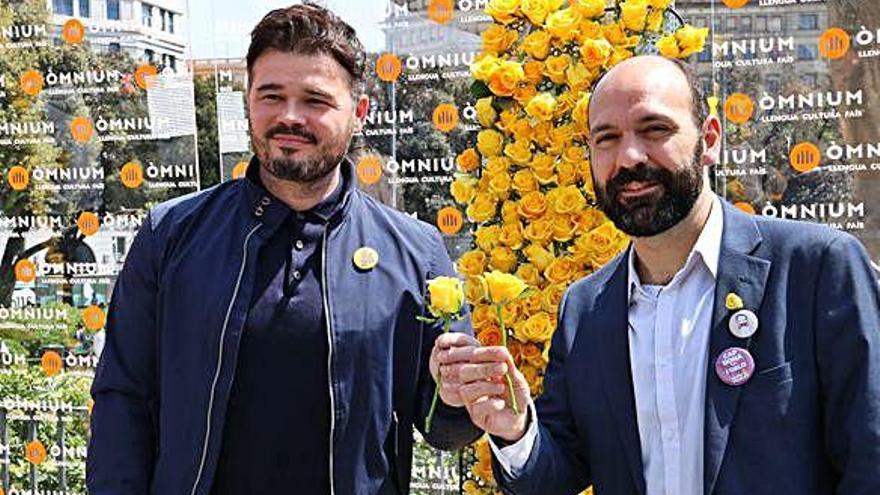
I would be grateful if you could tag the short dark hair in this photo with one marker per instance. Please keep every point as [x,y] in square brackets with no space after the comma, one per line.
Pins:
[699,105]
[309,29]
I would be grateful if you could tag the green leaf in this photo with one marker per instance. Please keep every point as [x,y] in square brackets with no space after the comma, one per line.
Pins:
[479,89]
[426,320]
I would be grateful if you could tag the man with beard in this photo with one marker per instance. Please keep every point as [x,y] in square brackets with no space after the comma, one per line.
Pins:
[263,334]
[721,353]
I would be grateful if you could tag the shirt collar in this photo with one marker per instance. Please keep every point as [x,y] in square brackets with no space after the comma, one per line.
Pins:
[707,249]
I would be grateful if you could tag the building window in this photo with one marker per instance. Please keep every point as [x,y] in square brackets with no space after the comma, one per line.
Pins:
[772,84]
[809,22]
[163,15]
[775,24]
[806,52]
[731,23]
[114,47]
[147,15]
[810,80]
[705,55]
[716,24]
[62,7]
[84,8]
[113,10]
[745,24]
[149,56]
[761,23]
[171,22]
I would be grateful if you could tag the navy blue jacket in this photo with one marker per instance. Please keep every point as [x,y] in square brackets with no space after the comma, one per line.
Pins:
[175,321]
[808,420]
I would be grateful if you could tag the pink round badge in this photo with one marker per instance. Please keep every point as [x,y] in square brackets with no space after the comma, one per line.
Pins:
[735,366]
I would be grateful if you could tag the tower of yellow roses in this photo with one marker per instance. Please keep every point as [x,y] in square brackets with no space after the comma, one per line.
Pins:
[526,185]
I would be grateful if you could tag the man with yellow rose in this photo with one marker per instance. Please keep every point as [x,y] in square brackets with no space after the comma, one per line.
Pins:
[722,353]
[264,335]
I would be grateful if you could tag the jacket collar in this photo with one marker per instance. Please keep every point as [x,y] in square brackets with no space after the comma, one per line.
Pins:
[271,212]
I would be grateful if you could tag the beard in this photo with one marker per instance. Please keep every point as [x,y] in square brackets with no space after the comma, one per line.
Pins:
[308,169]
[654,213]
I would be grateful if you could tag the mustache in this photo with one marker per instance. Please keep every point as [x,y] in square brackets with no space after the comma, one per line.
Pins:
[291,131]
[640,173]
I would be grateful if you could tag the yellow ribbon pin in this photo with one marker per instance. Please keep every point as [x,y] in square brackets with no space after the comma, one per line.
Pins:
[366,258]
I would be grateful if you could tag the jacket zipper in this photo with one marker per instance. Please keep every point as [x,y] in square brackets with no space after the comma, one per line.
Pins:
[220,360]
[327,316]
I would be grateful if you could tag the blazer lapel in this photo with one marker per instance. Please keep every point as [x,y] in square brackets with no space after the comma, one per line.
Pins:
[610,307]
[744,275]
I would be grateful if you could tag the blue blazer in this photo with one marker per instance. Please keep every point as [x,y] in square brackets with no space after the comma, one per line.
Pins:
[808,420]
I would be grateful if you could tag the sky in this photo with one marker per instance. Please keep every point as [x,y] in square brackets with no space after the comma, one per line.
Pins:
[220,28]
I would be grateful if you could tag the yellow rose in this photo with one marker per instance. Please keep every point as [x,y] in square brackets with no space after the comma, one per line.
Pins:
[509,213]
[606,242]
[474,290]
[589,8]
[519,152]
[472,263]
[522,130]
[566,101]
[660,4]
[538,328]
[486,237]
[542,132]
[544,167]
[552,296]
[468,160]
[511,313]
[691,40]
[524,94]
[503,259]
[497,38]
[506,78]
[486,113]
[668,46]
[566,174]
[485,65]
[581,113]
[563,24]
[508,118]
[463,189]
[531,354]
[503,287]
[490,336]
[733,302]
[633,14]
[560,271]
[574,154]
[499,185]
[446,296]
[496,165]
[512,235]
[529,274]
[533,205]
[568,200]
[483,315]
[589,30]
[655,21]
[541,107]
[579,77]
[555,66]
[594,53]
[538,256]
[534,71]
[616,35]
[524,181]
[589,219]
[503,11]
[539,231]
[482,209]
[619,55]
[537,44]
[536,10]
[489,142]
[563,228]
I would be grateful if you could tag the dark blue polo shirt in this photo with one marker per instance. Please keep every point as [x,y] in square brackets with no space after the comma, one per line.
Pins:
[277,433]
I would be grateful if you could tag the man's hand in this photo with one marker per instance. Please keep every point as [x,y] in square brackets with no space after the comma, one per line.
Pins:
[474,377]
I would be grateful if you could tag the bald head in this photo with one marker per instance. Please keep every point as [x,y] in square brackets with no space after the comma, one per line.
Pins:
[653,74]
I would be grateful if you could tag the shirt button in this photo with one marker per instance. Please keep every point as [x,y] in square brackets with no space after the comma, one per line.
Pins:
[297,275]
[298,245]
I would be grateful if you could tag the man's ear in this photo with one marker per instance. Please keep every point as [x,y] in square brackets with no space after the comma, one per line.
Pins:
[711,140]
[362,106]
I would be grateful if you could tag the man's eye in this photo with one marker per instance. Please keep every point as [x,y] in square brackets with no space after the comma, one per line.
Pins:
[271,98]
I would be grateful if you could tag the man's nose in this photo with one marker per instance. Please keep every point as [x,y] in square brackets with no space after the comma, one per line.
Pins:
[631,152]
[292,114]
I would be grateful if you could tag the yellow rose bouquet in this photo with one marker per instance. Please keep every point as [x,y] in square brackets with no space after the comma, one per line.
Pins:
[446,298]
[526,184]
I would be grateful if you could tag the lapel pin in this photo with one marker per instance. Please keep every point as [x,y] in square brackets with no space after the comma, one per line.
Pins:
[743,324]
[366,258]
[735,366]
[733,302]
